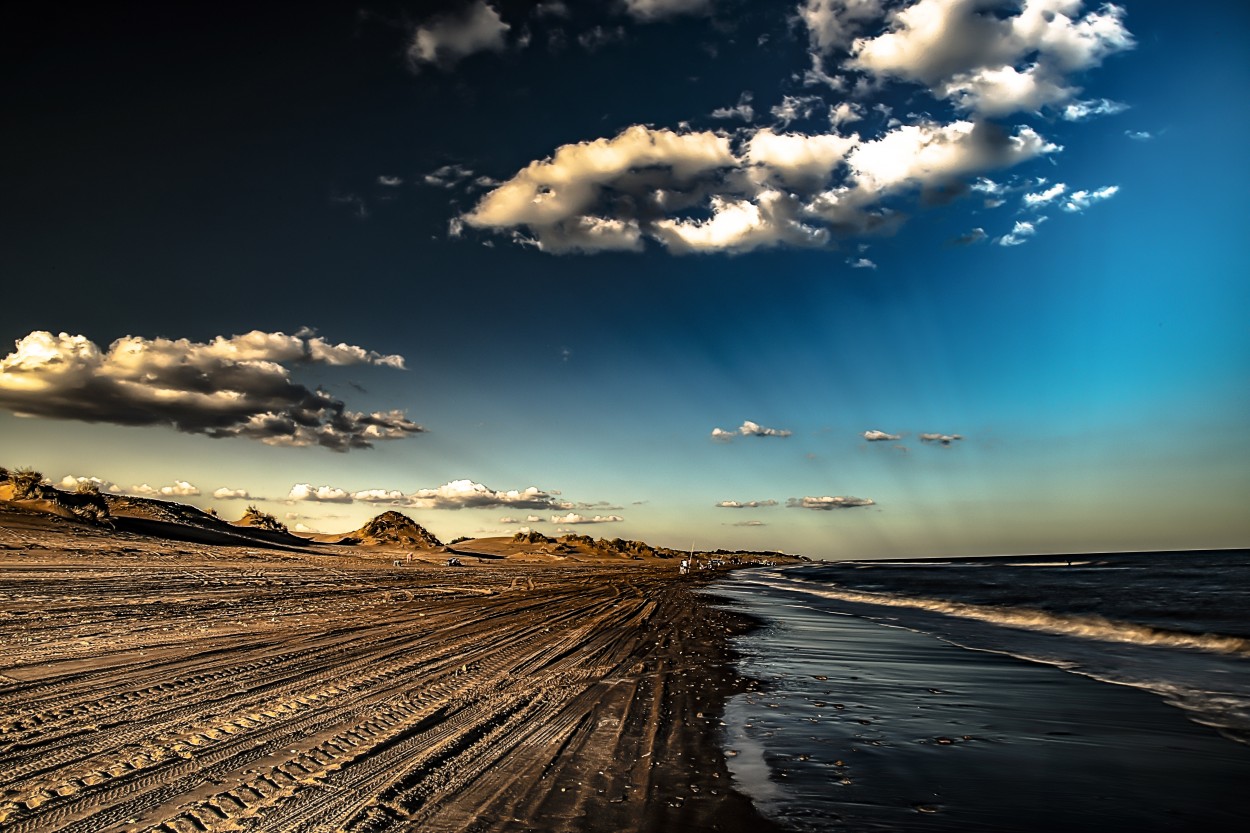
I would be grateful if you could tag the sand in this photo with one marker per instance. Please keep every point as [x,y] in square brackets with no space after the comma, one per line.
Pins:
[150,685]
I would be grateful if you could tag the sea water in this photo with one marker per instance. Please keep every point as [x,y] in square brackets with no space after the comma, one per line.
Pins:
[997,694]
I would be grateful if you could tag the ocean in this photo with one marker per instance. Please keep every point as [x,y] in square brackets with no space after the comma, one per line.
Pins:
[1090,692]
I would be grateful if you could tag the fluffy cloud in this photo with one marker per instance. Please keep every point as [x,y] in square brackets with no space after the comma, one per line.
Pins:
[1080,200]
[447,39]
[1051,194]
[993,64]
[318,494]
[750,504]
[703,192]
[833,24]
[648,10]
[228,387]
[861,263]
[379,496]
[71,483]
[574,518]
[180,488]
[465,494]
[226,493]
[1019,233]
[828,502]
[742,110]
[944,439]
[875,436]
[748,429]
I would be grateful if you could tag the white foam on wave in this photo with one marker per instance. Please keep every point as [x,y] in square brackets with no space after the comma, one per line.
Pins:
[1085,627]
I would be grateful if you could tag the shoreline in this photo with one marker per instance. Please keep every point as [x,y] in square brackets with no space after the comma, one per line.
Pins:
[234,690]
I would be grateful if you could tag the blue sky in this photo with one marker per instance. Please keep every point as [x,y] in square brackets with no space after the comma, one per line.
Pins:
[489,248]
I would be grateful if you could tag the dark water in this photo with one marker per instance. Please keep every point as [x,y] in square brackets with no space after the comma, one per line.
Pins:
[1007,694]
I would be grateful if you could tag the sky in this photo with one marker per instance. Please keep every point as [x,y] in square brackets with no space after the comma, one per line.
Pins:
[845,278]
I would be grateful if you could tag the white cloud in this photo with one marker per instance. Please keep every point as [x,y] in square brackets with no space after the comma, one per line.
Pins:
[750,523]
[445,40]
[648,10]
[778,189]
[318,494]
[507,520]
[574,518]
[1080,200]
[828,502]
[1019,233]
[378,496]
[1139,135]
[71,483]
[795,108]
[944,439]
[748,429]
[180,488]
[226,493]
[533,519]
[875,436]
[390,181]
[1044,197]
[742,110]
[833,24]
[228,387]
[750,504]
[845,113]
[1082,110]
[861,263]
[465,494]
[993,65]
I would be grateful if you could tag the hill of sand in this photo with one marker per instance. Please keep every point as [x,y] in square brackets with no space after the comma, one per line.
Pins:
[390,530]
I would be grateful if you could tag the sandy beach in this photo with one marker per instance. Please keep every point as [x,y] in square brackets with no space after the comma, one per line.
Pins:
[162,686]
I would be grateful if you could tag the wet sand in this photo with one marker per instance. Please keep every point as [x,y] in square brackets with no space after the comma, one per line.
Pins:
[850,724]
[153,687]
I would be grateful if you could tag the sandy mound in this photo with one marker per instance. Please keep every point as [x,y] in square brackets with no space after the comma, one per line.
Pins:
[392,529]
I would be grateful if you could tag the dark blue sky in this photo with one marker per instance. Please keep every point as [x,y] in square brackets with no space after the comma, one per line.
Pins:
[586,270]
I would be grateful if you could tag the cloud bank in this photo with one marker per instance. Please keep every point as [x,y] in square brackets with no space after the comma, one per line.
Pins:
[237,386]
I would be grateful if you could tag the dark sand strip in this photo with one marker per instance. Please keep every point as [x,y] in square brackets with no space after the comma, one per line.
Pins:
[868,727]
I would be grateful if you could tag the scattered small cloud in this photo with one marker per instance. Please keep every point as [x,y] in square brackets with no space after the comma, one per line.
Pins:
[390,181]
[749,523]
[179,488]
[448,176]
[226,493]
[750,504]
[445,40]
[969,238]
[795,108]
[71,482]
[507,520]
[861,263]
[944,439]
[828,502]
[742,110]
[875,436]
[1019,233]
[318,494]
[1078,201]
[651,10]
[1082,110]
[1139,135]
[574,518]
[1040,198]
[748,429]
